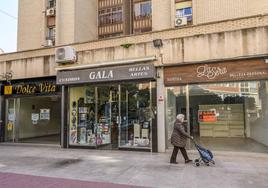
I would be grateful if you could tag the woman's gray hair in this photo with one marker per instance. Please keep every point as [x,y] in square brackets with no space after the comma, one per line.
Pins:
[180,116]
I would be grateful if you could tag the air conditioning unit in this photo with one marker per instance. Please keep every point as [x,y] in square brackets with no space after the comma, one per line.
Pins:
[49,42]
[180,21]
[65,54]
[51,12]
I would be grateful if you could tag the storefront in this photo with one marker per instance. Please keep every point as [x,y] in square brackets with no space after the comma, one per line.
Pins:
[111,108]
[225,103]
[32,111]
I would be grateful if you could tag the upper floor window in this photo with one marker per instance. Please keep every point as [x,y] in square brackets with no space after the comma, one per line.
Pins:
[184,10]
[142,9]
[51,32]
[51,3]
[110,16]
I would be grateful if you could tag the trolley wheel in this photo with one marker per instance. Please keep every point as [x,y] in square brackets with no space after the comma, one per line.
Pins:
[197,164]
[196,160]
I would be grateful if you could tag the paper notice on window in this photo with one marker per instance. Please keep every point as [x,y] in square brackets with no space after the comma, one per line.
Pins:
[35,118]
[145,133]
[137,130]
[44,114]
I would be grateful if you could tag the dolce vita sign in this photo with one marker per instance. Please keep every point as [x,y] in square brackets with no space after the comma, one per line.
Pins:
[216,72]
[132,72]
[30,88]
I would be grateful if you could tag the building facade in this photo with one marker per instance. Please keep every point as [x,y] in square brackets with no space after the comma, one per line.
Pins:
[48,23]
[152,62]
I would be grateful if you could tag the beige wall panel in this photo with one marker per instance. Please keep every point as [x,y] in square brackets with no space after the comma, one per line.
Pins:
[85,20]
[3,68]
[34,67]
[161,14]
[216,10]
[99,55]
[140,50]
[30,24]
[250,41]
[109,53]
[196,48]
[19,69]
[167,52]
[88,57]
[119,52]
[176,50]
[52,66]
[262,38]
[65,22]
[233,44]
[253,41]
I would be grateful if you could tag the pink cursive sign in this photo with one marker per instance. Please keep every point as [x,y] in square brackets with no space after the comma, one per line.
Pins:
[210,72]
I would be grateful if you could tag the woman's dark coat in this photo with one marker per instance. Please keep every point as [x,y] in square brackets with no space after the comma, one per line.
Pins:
[179,135]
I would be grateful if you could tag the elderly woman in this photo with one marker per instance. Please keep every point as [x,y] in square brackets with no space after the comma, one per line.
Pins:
[178,139]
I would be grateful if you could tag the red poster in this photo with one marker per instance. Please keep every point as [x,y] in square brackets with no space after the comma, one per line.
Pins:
[207,116]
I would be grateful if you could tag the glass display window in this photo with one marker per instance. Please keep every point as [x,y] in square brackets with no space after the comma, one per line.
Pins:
[228,115]
[111,116]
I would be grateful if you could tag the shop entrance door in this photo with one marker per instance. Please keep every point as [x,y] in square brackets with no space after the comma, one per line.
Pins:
[11,130]
[108,116]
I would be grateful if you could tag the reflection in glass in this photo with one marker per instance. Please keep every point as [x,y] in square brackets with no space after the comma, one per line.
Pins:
[225,116]
[136,114]
[112,116]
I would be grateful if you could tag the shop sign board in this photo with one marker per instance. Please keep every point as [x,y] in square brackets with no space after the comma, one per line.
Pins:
[132,72]
[239,70]
[207,116]
[30,88]
[8,90]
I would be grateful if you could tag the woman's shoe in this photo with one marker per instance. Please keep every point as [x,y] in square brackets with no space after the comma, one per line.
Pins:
[188,161]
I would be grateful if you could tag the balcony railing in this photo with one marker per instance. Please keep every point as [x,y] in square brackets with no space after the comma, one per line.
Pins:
[109,3]
[110,29]
[142,24]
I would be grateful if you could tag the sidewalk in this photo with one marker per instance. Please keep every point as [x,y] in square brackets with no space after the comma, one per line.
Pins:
[8,180]
[232,169]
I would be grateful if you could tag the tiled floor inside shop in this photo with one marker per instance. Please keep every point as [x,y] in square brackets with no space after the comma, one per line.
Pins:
[50,139]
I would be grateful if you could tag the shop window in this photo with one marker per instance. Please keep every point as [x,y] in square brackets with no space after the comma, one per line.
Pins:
[142,10]
[111,116]
[110,16]
[223,117]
